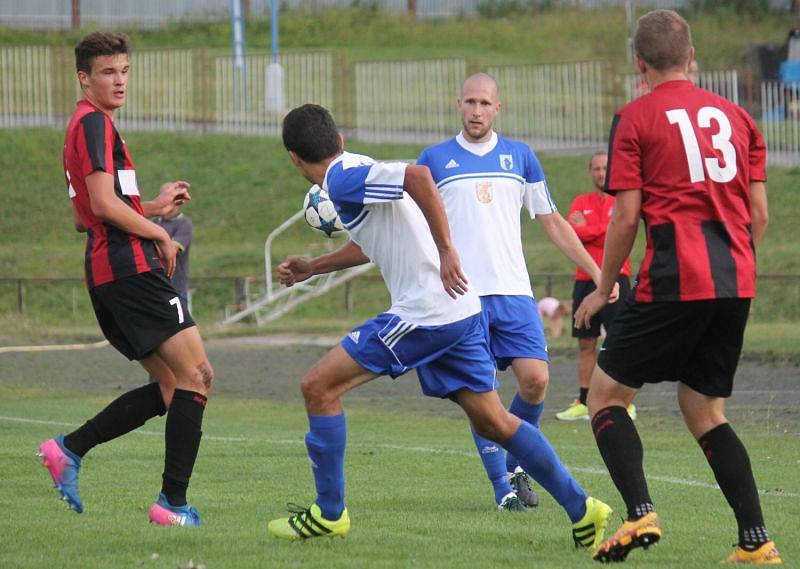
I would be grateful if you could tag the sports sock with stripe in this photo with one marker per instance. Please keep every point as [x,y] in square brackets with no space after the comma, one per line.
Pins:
[528,412]
[494,461]
[621,449]
[326,441]
[730,462]
[127,412]
[182,436]
[537,458]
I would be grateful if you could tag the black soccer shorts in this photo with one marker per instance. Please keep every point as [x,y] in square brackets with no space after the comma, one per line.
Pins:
[138,313]
[697,343]
[581,290]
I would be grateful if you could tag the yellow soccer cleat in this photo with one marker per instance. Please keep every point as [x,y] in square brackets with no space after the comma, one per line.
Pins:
[644,532]
[632,412]
[575,412]
[589,530]
[307,523]
[767,554]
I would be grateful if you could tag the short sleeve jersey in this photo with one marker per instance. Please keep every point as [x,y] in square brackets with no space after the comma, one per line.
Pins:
[391,230]
[484,187]
[693,154]
[92,143]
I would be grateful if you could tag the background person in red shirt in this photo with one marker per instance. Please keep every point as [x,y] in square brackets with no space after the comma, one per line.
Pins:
[138,309]
[589,215]
[693,166]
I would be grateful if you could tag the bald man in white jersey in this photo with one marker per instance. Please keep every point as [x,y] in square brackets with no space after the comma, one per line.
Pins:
[485,180]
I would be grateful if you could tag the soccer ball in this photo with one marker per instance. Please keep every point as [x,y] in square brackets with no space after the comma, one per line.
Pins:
[320,213]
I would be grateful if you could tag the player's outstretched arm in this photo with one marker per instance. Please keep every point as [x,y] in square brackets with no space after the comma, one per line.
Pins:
[298,269]
[620,237]
[172,195]
[108,207]
[419,185]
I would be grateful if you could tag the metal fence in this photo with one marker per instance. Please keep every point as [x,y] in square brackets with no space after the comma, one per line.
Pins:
[241,94]
[780,121]
[407,101]
[565,107]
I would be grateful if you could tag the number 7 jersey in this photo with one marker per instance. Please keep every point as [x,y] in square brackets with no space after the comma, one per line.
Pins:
[693,154]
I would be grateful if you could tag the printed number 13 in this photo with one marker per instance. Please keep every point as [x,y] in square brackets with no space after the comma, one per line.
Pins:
[177,303]
[720,141]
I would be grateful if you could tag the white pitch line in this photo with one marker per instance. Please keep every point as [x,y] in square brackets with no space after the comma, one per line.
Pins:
[428,450]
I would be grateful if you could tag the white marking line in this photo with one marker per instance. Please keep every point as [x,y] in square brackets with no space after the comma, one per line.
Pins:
[428,450]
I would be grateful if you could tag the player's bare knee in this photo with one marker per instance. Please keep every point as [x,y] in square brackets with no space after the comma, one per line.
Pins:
[206,375]
[532,387]
[313,388]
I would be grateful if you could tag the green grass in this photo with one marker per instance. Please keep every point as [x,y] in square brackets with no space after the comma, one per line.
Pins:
[536,37]
[417,495]
[245,186]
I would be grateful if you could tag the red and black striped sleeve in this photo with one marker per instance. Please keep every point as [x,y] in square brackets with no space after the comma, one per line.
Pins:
[96,143]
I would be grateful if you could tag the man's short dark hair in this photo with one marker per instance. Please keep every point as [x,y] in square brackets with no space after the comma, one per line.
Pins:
[663,40]
[310,132]
[98,44]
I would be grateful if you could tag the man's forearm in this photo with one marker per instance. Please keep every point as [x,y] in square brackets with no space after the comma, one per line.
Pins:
[346,256]
[564,237]
[619,241]
[121,216]
[419,185]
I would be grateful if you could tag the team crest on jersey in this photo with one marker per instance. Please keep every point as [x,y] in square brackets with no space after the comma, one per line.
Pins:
[483,191]
[506,162]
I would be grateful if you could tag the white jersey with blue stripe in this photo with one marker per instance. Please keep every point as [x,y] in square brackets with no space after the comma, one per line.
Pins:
[393,233]
[484,186]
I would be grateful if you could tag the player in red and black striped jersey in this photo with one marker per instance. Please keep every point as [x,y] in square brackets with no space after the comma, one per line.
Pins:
[128,260]
[691,165]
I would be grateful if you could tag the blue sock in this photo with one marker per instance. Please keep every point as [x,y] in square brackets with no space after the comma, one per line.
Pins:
[326,441]
[494,461]
[529,412]
[539,460]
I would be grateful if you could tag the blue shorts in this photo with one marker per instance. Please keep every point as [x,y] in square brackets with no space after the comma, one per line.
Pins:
[515,328]
[447,358]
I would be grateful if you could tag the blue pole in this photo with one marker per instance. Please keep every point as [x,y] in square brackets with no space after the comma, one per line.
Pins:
[275,5]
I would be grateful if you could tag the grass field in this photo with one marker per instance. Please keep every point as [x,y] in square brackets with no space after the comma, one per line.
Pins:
[245,186]
[417,494]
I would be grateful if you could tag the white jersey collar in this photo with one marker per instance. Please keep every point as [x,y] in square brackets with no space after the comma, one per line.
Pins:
[477,148]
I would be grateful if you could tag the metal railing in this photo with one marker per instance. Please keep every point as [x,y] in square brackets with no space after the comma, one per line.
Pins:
[780,121]
[565,106]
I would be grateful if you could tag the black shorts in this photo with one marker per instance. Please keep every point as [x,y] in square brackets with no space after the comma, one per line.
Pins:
[581,290]
[138,313]
[697,343]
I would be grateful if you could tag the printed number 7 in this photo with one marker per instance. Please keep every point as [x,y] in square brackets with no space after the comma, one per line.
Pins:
[177,302]
[720,141]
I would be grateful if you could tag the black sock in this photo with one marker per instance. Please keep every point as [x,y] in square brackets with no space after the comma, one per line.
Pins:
[728,459]
[126,413]
[182,437]
[621,449]
[583,395]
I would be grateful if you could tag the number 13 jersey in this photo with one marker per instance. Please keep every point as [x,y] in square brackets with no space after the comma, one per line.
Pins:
[693,154]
